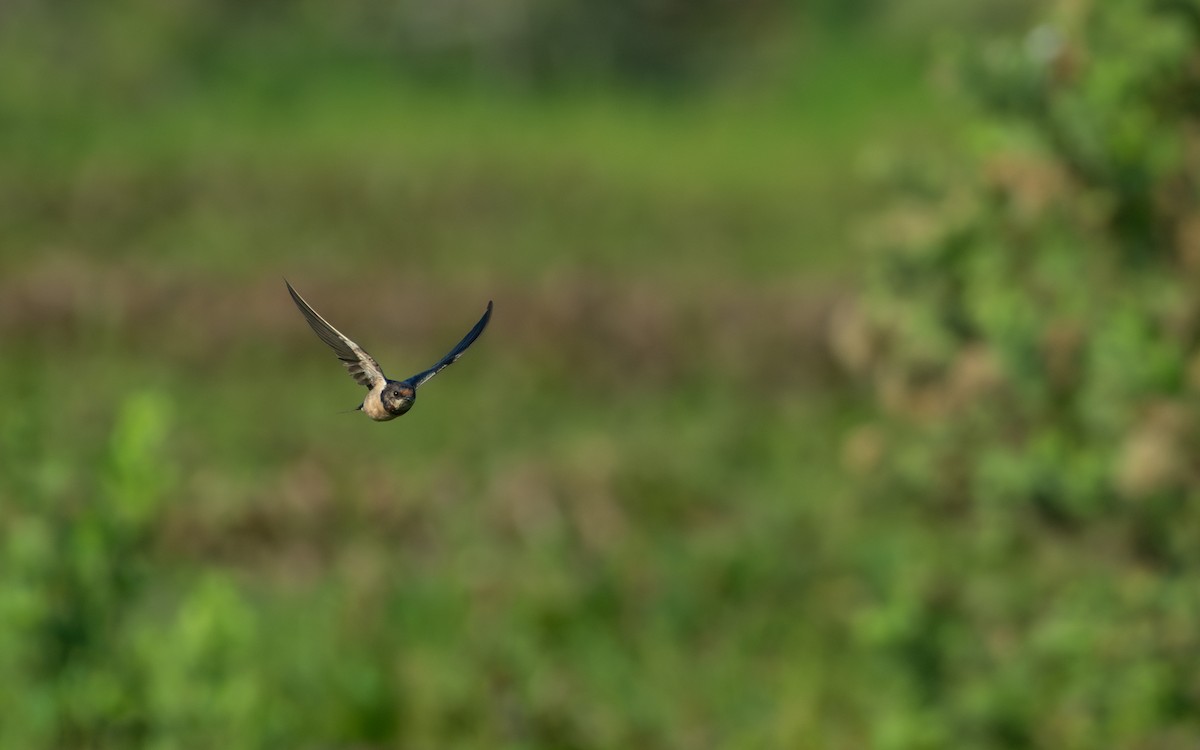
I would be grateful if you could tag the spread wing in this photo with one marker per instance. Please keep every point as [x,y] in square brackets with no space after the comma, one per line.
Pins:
[362,366]
[416,380]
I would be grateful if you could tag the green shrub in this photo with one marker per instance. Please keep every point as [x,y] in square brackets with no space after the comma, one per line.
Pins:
[1031,338]
[94,655]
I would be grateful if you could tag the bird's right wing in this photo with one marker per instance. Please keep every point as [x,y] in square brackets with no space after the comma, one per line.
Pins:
[362,366]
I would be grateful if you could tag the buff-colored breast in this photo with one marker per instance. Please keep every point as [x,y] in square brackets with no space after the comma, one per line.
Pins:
[373,405]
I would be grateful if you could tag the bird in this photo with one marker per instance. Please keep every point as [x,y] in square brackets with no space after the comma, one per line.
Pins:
[386,399]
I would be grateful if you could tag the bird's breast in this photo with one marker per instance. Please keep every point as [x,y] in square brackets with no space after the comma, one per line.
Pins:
[373,406]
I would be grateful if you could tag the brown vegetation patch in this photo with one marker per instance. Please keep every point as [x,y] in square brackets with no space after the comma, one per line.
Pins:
[589,326]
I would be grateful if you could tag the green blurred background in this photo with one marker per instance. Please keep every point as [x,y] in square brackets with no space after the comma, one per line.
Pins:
[840,390]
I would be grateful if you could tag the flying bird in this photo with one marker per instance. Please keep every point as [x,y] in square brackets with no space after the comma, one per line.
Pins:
[386,399]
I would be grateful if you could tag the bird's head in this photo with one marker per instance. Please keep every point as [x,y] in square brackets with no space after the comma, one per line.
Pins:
[398,398]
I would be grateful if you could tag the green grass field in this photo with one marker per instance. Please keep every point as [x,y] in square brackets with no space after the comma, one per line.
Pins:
[619,521]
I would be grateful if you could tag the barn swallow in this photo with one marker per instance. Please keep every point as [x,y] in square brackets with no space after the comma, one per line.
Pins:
[386,399]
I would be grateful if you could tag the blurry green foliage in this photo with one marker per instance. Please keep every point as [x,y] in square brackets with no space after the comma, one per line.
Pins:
[218,559]
[140,50]
[1033,337]
[538,43]
[74,572]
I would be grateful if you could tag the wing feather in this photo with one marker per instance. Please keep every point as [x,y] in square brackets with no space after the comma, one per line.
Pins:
[362,366]
[416,380]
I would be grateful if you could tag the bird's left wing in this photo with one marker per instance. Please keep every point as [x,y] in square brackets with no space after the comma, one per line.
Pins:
[362,366]
[416,380]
